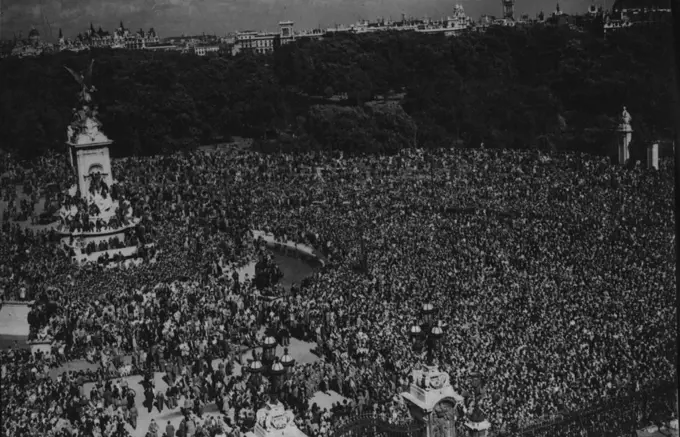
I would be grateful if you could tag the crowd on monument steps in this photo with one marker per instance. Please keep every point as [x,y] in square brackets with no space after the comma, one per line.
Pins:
[552,275]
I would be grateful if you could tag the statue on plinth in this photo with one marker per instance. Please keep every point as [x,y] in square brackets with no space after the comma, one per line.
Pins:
[625,117]
[625,136]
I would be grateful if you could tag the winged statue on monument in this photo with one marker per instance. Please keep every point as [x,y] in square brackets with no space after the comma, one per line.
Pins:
[84,118]
[84,79]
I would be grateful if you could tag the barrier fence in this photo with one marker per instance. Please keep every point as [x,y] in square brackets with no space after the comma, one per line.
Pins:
[619,416]
[368,425]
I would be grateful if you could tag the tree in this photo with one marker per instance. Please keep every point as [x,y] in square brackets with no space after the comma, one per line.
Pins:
[508,87]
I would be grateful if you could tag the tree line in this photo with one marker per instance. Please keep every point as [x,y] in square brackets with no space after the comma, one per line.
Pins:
[544,87]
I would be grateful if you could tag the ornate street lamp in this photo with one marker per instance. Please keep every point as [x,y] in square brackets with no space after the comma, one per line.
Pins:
[428,333]
[255,369]
[275,373]
[269,350]
[271,366]
[427,312]
[288,362]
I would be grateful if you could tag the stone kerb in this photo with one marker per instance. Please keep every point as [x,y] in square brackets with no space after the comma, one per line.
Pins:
[126,252]
[18,302]
[302,249]
[45,346]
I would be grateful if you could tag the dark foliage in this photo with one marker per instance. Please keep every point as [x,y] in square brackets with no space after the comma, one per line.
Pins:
[540,87]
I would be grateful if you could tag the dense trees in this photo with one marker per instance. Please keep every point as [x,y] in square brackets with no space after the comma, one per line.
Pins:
[538,87]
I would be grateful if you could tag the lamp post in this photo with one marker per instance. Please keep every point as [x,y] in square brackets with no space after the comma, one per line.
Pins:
[269,350]
[255,369]
[288,362]
[271,366]
[275,372]
[427,332]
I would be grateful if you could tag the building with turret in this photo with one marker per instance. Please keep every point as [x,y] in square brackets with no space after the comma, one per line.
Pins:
[508,9]
[627,13]
[264,42]
[31,46]
[449,26]
[121,38]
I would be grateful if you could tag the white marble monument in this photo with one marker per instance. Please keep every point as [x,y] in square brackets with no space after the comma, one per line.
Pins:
[89,156]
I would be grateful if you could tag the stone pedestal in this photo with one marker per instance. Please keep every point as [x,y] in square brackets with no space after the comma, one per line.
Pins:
[478,429]
[625,132]
[89,155]
[79,240]
[275,421]
[653,156]
[478,426]
[432,400]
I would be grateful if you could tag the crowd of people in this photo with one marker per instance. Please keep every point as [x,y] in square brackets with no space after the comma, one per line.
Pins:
[553,277]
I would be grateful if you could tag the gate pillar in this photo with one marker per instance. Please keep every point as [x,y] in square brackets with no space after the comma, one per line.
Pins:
[275,421]
[432,401]
[478,425]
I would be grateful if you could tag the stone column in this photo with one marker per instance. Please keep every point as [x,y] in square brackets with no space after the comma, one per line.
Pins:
[478,426]
[625,136]
[653,156]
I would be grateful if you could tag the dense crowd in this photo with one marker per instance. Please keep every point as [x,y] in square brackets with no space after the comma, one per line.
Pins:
[552,275]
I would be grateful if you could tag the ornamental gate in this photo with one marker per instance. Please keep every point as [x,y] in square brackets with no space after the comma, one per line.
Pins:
[368,425]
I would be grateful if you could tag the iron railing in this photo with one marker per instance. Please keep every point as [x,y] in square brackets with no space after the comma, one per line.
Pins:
[616,417]
[368,425]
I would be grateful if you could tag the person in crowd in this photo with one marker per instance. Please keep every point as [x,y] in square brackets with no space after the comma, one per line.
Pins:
[540,268]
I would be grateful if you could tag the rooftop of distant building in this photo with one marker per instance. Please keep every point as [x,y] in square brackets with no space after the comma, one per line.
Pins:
[641,4]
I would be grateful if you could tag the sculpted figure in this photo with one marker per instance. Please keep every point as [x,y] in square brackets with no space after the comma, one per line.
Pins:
[84,79]
[625,117]
[444,416]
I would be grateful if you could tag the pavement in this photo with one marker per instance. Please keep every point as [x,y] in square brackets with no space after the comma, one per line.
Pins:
[299,350]
[653,431]
[14,320]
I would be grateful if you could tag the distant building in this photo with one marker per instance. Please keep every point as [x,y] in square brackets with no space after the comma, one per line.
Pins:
[189,43]
[486,21]
[449,26]
[161,47]
[508,9]
[594,10]
[263,42]
[202,50]
[121,38]
[34,37]
[628,13]
[32,46]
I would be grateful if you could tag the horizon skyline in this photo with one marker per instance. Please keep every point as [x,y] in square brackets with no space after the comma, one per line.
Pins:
[194,17]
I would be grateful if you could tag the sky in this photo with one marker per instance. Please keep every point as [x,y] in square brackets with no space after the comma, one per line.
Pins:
[174,17]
